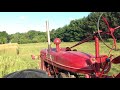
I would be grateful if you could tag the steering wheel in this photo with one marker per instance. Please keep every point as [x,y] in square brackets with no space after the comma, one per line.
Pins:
[110,31]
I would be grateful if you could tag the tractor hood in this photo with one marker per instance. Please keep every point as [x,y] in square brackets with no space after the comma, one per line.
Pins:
[69,60]
[73,59]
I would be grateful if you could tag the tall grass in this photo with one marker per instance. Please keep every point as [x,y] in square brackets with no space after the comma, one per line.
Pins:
[7,48]
[10,63]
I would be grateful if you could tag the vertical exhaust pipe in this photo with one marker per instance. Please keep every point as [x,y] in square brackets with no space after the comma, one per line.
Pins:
[48,36]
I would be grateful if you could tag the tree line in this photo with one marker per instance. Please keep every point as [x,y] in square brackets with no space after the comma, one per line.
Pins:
[80,28]
[76,30]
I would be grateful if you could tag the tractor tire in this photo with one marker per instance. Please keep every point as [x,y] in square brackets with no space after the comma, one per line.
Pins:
[28,73]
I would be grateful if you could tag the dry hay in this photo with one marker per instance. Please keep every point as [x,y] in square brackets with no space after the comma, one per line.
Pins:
[9,49]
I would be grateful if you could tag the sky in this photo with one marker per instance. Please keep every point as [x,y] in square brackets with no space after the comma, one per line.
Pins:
[13,22]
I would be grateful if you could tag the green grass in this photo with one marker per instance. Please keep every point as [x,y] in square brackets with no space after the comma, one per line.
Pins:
[11,63]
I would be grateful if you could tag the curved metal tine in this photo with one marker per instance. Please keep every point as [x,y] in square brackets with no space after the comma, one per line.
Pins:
[117,27]
[105,20]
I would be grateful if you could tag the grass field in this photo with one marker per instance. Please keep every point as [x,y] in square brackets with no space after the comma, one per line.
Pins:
[11,63]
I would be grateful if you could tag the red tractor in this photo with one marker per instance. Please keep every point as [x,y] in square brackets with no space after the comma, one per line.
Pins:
[67,63]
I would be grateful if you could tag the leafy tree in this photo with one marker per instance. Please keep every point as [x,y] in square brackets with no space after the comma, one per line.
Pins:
[3,37]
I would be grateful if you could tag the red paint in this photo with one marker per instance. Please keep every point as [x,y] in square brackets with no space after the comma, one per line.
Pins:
[57,41]
[33,57]
[118,76]
[71,60]
[116,60]
[96,47]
